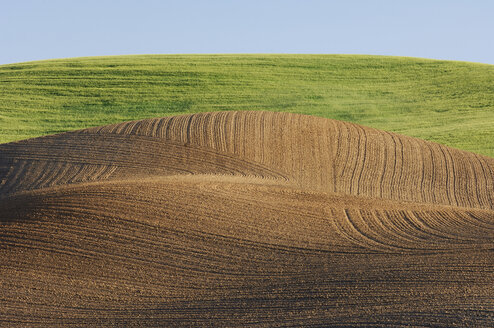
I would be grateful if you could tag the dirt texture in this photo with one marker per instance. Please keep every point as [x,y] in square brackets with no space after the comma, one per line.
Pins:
[244,219]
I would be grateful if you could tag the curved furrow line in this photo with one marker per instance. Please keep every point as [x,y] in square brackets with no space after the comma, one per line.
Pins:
[394,168]
[482,183]
[467,228]
[491,179]
[167,159]
[453,176]
[446,176]
[389,166]
[444,239]
[391,238]
[394,230]
[43,174]
[6,170]
[17,169]
[360,162]
[470,185]
[337,154]
[428,176]
[422,221]
[344,162]
[410,174]
[459,226]
[399,168]
[486,178]
[373,154]
[391,229]
[425,161]
[351,231]
[438,178]
[482,219]
[401,225]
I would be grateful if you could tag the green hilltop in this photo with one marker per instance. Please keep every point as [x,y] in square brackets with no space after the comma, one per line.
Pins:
[444,101]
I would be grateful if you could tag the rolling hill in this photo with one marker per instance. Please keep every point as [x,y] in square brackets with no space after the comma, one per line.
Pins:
[246,218]
[443,101]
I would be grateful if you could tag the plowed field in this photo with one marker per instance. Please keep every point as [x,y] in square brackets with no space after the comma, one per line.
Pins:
[244,219]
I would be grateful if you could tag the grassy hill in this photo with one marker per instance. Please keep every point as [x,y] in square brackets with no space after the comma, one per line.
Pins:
[443,101]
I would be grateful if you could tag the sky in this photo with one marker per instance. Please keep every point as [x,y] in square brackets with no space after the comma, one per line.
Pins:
[440,29]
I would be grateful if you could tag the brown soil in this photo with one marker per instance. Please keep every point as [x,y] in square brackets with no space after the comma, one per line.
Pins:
[244,219]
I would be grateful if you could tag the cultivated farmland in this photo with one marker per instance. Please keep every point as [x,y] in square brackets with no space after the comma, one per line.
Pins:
[244,219]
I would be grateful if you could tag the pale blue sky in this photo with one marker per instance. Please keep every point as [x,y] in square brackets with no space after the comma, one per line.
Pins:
[453,29]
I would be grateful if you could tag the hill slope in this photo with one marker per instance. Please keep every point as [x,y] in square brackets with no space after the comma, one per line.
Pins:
[443,101]
[244,218]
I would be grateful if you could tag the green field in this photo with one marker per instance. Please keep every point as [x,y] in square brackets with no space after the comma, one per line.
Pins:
[444,101]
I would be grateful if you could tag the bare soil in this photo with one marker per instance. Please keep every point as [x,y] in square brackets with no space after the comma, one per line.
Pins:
[244,219]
